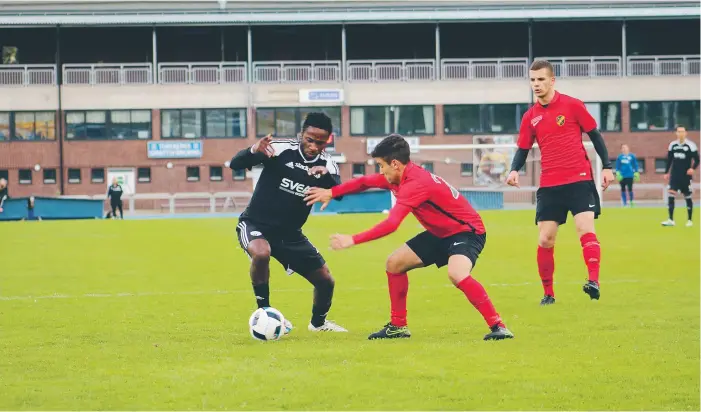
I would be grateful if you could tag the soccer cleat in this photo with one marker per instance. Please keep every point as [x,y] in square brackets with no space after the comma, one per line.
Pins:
[591,288]
[328,326]
[390,331]
[547,300]
[668,222]
[689,223]
[499,332]
[288,327]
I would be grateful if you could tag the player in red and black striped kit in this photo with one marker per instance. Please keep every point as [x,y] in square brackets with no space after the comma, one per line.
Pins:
[454,235]
[567,185]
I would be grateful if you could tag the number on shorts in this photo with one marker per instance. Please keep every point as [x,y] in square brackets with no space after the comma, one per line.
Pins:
[440,180]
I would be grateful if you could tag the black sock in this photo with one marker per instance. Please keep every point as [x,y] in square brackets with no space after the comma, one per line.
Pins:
[670,204]
[262,292]
[323,294]
[690,206]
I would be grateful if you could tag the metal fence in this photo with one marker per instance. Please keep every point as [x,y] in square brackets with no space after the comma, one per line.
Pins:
[27,75]
[482,69]
[108,74]
[590,66]
[390,70]
[202,73]
[663,65]
[297,71]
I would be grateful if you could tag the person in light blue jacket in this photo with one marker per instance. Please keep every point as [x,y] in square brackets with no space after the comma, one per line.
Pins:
[627,172]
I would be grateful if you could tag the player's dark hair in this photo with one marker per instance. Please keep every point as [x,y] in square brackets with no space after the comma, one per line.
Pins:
[318,120]
[392,147]
[542,64]
[680,125]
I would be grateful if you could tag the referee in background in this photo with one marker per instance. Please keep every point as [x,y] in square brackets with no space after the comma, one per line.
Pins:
[114,194]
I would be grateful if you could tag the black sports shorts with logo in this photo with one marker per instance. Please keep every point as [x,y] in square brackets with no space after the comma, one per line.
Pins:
[292,249]
[553,203]
[433,250]
[681,184]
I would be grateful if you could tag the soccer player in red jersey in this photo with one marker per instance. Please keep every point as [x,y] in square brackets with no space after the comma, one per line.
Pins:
[454,236]
[556,121]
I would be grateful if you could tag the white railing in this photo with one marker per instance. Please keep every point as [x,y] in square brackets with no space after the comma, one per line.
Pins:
[391,70]
[589,66]
[297,71]
[180,202]
[202,73]
[108,74]
[482,69]
[663,65]
[27,75]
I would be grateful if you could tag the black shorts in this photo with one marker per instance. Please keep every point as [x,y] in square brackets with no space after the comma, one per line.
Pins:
[434,250]
[292,249]
[553,203]
[627,182]
[681,184]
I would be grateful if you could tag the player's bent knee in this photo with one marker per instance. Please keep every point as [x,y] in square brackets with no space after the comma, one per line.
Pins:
[546,239]
[259,250]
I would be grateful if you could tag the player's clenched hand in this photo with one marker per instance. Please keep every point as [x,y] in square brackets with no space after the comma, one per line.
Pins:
[666,177]
[317,194]
[690,172]
[512,179]
[264,146]
[318,170]
[606,178]
[339,242]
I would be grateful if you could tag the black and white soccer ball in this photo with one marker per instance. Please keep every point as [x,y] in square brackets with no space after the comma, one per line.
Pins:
[268,324]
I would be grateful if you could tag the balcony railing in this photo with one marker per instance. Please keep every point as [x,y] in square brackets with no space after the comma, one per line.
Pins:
[297,71]
[202,73]
[108,74]
[590,66]
[27,75]
[391,70]
[483,69]
[663,65]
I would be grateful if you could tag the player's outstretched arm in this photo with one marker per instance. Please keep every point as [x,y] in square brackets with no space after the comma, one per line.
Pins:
[254,155]
[359,184]
[382,229]
[598,140]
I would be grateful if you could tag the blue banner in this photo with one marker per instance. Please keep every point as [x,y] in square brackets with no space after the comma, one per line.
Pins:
[175,150]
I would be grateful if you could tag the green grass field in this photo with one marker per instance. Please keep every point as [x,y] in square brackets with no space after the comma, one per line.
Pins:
[153,315]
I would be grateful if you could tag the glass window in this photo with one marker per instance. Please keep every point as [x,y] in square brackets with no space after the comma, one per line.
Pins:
[428,166]
[651,116]
[463,119]
[191,124]
[4,126]
[32,125]
[501,118]
[49,176]
[215,173]
[141,124]
[45,125]
[193,173]
[660,165]
[215,121]
[121,124]
[285,123]
[483,118]
[97,175]
[130,124]
[225,123]
[610,117]
[170,124]
[73,175]
[265,122]
[143,175]
[239,174]
[641,165]
[236,122]
[686,113]
[24,126]
[25,176]
[4,174]
[383,120]
[75,125]
[465,169]
[358,169]
[96,124]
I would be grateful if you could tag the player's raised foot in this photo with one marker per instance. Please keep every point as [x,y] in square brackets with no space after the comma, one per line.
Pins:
[288,327]
[499,332]
[390,331]
[668,222]
[689,223]
[328,326]
[591,288]
[547,300]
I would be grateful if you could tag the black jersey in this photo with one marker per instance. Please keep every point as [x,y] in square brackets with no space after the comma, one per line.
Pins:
[4,195]
[114,193]
[278,199]
[680,156]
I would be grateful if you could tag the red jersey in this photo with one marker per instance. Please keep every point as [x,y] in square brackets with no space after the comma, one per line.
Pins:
[438,206]
[558,127]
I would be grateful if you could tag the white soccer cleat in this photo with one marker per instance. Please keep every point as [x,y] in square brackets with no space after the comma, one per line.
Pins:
[668,222]
[288,327]
[328,326]
[689,223]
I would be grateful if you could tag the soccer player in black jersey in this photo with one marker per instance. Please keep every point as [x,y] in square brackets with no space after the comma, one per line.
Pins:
[271,225]
[682,159]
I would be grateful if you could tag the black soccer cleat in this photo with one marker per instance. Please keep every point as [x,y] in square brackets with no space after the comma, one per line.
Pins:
[390,331]
[547,300]
[499,333]
[591,288]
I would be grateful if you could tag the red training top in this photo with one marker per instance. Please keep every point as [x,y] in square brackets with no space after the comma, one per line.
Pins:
[558,127]
[438,206]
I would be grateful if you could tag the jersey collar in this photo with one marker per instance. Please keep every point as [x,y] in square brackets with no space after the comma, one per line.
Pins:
[556,97]
[409,166]
[304,158]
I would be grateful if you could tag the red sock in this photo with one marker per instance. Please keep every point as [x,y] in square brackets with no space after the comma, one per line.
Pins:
[398,289]
[546,268]
[592,255]
[476,294]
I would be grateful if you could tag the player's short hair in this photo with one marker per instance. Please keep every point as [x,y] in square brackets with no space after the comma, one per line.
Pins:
[542,64]
[680,125]
[392,147]
[319,120]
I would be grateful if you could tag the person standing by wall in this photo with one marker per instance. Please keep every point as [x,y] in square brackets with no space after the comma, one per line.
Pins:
[114,194]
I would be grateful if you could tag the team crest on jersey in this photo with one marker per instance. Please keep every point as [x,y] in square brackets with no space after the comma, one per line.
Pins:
[560,120]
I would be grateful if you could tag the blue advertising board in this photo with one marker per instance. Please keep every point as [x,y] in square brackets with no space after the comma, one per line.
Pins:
[175,150]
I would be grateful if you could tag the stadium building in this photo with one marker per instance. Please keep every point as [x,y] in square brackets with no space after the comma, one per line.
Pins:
[164,92]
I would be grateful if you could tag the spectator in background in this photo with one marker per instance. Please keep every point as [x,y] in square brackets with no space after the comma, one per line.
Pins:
[4,195]
[626,173]
[30,209]
[114,194]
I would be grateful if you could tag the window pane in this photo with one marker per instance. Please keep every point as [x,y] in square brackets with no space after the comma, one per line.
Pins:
[24,126]
[75,125]
[4,174]
[610,117]
[377,120]
[25,176]
[641,165]
[465,169]
[4,126]
[141,124]
[413,120]
[97,175]
[501,118]
[357,118]
[660,164]
[170,124]
[358,169]
[333,112]
[239,174]
[265,122]
[236,122]
[686,113]
[463,119]
[191,123]
[215,173]
[650,115]
[73,175]
[215,123]
[285,123]
[95,125]
[144,174]
[121,124]
[45,124]
[428,166]
[193,173]
[49,176]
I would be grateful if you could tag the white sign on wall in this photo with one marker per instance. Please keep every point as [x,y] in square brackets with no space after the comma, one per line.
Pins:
[321,96]
[125,177]
[414,142]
